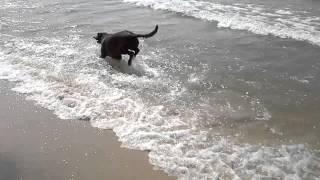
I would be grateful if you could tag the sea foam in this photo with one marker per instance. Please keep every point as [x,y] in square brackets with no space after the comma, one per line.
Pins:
[254,18]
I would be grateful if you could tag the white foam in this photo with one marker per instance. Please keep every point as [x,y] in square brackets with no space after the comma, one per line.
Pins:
[295,78]
[6,4]
[276,132]
[254,18]
[281,11]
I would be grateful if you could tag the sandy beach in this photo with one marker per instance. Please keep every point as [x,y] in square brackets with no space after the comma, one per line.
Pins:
[36,145]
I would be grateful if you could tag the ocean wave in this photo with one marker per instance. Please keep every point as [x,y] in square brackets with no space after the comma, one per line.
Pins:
[254,18]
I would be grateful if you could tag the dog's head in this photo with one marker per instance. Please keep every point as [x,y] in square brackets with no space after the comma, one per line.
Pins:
[100,37]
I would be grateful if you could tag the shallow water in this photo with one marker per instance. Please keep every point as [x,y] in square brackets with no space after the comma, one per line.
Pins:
[224,90]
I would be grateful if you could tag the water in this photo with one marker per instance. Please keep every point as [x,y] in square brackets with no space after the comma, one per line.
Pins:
[226,89]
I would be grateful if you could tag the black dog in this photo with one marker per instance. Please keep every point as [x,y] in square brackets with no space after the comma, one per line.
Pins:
[124,42]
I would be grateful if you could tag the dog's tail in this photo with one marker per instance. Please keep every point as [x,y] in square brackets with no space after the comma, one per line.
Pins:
[149,34]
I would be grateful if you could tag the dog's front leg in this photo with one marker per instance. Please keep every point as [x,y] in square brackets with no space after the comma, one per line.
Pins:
[136,51]
[104,52]
[131,53]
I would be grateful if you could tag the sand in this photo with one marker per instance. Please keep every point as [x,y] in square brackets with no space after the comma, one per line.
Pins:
[36,145]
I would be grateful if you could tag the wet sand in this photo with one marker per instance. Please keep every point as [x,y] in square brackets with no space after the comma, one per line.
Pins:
[36,145]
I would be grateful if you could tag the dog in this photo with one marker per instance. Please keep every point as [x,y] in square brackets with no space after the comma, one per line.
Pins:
[124,42]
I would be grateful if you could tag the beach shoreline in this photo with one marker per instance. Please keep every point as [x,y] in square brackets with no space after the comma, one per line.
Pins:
[224,90]
[35,144]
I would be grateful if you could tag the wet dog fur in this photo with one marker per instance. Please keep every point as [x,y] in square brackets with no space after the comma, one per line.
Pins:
[124,42]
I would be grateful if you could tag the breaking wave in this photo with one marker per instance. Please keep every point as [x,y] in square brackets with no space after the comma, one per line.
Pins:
[298,25]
